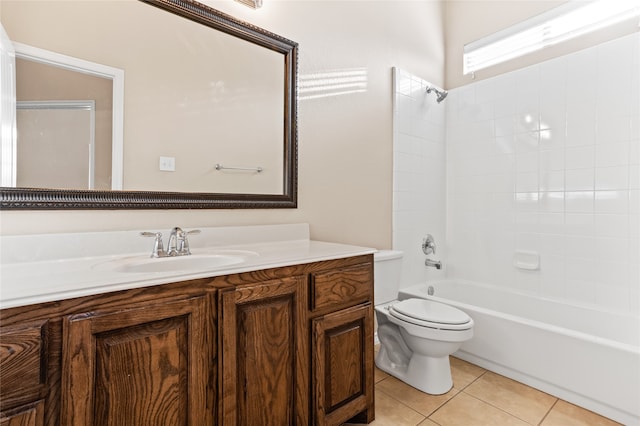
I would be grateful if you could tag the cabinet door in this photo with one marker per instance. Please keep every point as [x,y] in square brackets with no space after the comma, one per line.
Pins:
[30,415]
[264,363]
[343,366]
[143,366]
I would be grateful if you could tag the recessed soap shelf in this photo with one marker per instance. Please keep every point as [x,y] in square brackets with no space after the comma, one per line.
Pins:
[527,260]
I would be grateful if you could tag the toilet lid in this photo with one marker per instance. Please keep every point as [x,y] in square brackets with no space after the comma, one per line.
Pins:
[430,311]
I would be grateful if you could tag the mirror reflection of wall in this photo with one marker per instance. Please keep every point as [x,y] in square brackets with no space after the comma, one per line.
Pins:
[193,94]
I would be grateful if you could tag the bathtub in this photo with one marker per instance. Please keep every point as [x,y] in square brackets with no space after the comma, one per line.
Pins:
[588,357]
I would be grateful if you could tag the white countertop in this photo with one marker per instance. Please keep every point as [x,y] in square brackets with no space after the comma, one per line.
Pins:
[50,267]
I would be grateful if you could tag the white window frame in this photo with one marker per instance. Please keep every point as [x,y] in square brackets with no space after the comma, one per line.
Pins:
[562,23]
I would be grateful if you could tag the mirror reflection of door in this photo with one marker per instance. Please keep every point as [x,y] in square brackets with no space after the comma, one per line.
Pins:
[53,81]
[56,144]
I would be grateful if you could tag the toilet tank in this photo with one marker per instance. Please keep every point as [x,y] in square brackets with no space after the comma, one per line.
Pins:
[387,268]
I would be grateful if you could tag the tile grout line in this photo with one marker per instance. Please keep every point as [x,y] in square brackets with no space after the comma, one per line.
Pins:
[428,417]
[483,372]
[454,396]
[549,411]
[500,409]
[402,403]
[476,379]
[433,421]
[505,411]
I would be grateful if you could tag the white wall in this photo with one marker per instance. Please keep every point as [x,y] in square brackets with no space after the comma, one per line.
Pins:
[419,191]
[345,142]
[547,159]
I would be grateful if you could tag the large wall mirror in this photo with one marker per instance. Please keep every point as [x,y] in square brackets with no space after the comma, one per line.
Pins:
[196,109]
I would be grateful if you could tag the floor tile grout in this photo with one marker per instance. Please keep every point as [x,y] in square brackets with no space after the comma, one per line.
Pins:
[542,410]
[501,409]
[556,399]
[475,380]
[549,411]
[460,390]
[402,403]
[442,405]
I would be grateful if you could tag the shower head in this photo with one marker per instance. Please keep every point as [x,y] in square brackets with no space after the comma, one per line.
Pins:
[441,93]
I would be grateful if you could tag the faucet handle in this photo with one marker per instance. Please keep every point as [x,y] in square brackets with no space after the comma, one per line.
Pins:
[158,246]
[185,243]
[428,245]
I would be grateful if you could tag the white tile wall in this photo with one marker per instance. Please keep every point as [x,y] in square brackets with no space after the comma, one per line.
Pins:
[547,159]
[419,190]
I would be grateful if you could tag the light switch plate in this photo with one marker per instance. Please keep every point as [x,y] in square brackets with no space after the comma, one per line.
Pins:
[168,164]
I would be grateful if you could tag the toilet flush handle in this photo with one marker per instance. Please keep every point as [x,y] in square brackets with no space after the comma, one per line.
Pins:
[428,245]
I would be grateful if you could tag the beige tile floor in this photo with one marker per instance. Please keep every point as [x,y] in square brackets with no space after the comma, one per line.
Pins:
[479,397]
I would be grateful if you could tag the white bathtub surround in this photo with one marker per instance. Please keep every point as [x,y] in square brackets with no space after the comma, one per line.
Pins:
[419,195]
[547,160]
[43,268]
[586,356]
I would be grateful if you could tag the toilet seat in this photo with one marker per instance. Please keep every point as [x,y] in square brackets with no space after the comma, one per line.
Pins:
[427,313]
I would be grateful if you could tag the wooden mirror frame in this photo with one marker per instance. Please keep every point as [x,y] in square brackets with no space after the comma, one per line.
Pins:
[59,199]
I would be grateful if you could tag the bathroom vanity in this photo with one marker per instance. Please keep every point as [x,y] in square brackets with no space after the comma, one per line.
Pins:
[283,337]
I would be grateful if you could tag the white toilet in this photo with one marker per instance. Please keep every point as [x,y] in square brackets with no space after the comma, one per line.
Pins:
[416,335]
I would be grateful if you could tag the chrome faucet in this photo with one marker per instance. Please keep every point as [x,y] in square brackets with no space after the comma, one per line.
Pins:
[178,244]
[429,247]
[434,263]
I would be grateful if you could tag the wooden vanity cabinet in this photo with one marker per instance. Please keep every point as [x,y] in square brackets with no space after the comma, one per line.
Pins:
[343,366]
[342,344]
[297,345]
[264,354]
[282,346]
[143,356]
[23,373]
[145,365]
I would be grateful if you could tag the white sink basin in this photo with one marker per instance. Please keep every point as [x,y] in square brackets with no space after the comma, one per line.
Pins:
[188,264]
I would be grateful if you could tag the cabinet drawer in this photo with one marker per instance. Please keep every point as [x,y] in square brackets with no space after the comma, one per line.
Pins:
[341,287]
[22,360]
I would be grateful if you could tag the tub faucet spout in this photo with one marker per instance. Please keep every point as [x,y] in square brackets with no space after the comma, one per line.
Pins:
[436,264]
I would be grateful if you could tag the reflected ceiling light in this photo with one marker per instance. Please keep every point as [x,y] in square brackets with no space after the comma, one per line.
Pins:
[254,4]
[562,23]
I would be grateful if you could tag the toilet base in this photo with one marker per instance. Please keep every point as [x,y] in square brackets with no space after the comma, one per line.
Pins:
[427,374]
